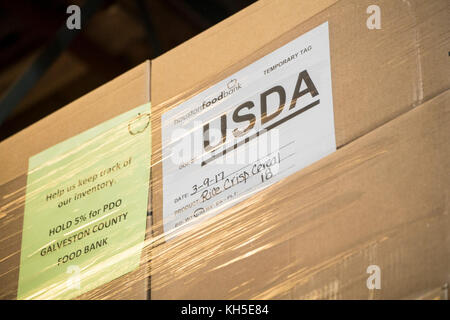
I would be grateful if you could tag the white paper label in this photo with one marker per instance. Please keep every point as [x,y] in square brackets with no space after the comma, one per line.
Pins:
[254,128]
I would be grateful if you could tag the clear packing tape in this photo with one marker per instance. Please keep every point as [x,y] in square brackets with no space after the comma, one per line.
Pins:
[354,208]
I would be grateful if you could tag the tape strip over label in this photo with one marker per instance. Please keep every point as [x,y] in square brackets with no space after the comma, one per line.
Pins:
[254,128]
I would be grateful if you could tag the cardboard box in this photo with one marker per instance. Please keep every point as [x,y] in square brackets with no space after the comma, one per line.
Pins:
[380,199]
[124,93]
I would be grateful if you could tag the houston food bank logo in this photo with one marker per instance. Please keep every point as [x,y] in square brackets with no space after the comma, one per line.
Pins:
[232,86]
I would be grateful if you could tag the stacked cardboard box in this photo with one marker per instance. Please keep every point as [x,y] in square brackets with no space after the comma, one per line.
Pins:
[381,199]
[128,91]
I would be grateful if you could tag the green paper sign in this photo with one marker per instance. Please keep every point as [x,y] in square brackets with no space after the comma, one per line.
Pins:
[85,209]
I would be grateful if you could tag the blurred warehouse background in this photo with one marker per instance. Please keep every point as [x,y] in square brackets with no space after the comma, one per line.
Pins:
[44,66]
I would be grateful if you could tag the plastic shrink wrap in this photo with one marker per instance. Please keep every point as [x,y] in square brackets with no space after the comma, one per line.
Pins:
[293,151]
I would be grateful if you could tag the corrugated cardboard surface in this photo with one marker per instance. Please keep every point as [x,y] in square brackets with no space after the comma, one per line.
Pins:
[128,91]
[381,200]
[394,66]
[376,74]
[314,234]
